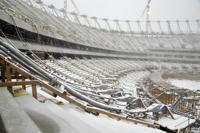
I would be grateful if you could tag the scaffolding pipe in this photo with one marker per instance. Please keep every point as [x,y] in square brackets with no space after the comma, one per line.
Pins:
[31,65]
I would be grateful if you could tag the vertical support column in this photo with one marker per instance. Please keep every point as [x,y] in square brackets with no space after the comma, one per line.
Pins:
[3,69]
[86,19]
[139,27]
[96,21]
[76,18]
[129,26]
[189,30]
[2,74]
[107,23]
[8,77]
[118,25]
[160,27]
[34,90]
[173,97]
[23,86]
[178,26]
[169,27]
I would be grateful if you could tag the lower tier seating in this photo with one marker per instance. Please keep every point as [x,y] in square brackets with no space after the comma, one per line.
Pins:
[12,118]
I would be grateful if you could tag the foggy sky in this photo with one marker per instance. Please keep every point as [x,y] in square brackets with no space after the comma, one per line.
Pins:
[132,9]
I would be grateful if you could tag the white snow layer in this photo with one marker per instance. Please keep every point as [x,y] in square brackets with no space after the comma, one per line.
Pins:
[71,119]
[186,84]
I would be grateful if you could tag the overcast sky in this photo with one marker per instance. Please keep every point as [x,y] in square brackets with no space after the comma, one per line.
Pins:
[132,9]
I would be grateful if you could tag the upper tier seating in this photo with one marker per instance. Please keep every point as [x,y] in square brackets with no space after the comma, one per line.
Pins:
[61,28]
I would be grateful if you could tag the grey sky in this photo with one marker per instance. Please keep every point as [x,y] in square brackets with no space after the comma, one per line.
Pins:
[132,9]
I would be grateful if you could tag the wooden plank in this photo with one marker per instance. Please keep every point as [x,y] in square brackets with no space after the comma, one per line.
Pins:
[18,83]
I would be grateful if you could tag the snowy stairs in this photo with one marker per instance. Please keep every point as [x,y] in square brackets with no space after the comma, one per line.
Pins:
[53,118]
[12,118]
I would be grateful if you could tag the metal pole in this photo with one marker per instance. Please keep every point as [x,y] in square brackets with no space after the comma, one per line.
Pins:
[96,21]
[139,27]
[129,26]
[76,18]
[189,30]
[107,24]
[86,19]
[178,26]
[169,27]
[118,25]
[160,27]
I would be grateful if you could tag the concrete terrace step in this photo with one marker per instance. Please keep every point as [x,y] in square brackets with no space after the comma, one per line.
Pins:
[52,118]
[12,118]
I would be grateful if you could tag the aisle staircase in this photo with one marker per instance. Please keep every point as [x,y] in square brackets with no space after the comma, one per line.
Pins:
[13,119]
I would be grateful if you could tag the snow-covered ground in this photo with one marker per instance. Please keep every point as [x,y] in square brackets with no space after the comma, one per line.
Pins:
[187,84]
[70,118]
[179,122]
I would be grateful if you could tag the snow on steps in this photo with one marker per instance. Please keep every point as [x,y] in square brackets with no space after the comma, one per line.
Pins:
[52,118]
[12,118]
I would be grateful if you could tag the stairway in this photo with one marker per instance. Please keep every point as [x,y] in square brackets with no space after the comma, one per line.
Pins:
[12,117]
